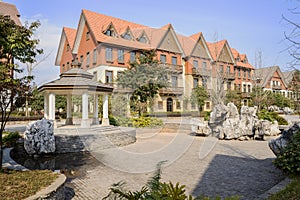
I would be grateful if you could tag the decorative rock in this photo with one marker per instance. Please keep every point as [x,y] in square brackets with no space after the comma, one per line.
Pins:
[277,145]
[39,137]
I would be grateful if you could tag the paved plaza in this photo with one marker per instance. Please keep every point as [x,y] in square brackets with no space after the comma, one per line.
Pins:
[204,165]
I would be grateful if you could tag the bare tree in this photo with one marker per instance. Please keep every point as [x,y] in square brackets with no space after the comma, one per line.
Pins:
[29,68]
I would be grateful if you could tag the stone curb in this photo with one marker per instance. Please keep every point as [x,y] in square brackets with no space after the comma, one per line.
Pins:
[276,188]
[52,190]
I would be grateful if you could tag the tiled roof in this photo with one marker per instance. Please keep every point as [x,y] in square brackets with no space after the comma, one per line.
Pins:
[266,73]
[288,76]
[70,35]
[216,48]
[235,53]
[196,36]
[76,79]
[7,9]
[187,44]
[98,23]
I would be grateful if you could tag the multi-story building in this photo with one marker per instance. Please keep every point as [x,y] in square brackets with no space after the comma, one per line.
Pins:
[106,45]
[271,79]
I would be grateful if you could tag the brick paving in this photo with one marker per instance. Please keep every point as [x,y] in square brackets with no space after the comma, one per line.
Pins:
[205,165]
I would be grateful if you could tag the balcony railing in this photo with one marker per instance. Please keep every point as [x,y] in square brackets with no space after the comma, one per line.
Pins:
[246,95]
[171,91]
[201,72]
[172,68]
[229,75]
[276,87]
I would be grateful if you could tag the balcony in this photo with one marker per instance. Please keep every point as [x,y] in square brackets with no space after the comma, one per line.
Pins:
[201,72]
[171,91]
[229,76]
[276,87]
[246,95]
[172,68]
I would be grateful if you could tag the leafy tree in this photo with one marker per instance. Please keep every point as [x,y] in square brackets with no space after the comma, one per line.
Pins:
[37,100]
[199,95]
[145,77]
[16,44]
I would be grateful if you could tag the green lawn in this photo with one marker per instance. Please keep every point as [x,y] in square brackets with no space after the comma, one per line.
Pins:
[17,185]
[291,192]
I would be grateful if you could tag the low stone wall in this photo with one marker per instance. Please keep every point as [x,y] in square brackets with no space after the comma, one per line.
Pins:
[55,191]
[66,143]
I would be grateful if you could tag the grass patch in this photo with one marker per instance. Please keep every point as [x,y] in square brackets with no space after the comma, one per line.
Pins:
[22,184]
[291,192]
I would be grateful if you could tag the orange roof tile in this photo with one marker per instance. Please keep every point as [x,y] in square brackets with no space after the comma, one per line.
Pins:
[216,48]
[187,44]
[7,9]
[196,36]
[70,35]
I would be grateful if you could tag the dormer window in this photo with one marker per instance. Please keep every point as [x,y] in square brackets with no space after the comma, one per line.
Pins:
[68,47]
[110,31]
[143,39]
[127,36]
[88,36]
[238,59]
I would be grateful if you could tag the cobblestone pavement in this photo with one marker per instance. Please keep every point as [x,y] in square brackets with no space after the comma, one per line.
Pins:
[205,165]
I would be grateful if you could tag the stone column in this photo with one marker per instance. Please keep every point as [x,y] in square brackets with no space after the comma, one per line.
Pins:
[85,111]
[69,120]
[105,120]
[46,105]
[95,118]
[52,106]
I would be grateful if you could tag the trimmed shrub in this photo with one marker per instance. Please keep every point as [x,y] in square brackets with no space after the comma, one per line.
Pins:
[289,159]
[151,122]
[10,139]
[271,116]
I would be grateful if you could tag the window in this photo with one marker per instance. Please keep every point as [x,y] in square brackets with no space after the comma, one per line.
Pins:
[207,105]
[121,55]
[95,56]
[68,65]
[108,54]
[163,58]
[143,39]
[174,60]
[127,36]
[160,105]
[87,36]
[63,67]
[221,69]
[245,74]
[68,47]
[249,74]
[195,82]
[195,64]
[81,59]
[108,76]
[204,82]
[110,32]
[234,71]
[228,70]
[95,76]
[132,56]
[193,105]
[178,105]
[204,66]
[239,72]
[174,81]
[244,88]
[239,88]
[228,85]
[249,88]
[87,63]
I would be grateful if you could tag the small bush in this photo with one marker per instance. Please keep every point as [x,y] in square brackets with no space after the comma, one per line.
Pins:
[289,159]
[151,122]
[10,139]
[272,116]
[207,115]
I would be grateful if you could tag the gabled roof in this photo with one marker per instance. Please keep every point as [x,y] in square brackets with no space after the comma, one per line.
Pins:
[11,10]
[217,47]
[289,75]
[266,73]
[67,36]
[242,57]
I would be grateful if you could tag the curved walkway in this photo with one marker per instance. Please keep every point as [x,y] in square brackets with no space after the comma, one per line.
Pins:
[205,165]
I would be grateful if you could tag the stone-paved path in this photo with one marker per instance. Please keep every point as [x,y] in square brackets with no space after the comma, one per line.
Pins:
[205,165]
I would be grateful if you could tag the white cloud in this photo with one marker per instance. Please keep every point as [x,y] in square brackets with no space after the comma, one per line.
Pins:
[49,36]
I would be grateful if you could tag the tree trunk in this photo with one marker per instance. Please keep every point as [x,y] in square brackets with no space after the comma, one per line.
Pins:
[1,151]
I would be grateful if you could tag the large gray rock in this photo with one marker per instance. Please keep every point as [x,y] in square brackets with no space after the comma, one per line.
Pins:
[39,137]
[226,123]
[277,145]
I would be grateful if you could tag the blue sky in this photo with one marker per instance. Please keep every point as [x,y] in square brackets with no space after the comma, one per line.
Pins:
[249,25]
